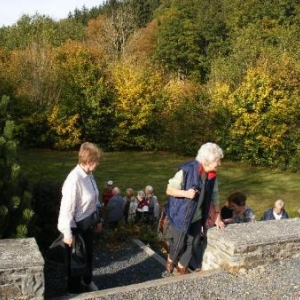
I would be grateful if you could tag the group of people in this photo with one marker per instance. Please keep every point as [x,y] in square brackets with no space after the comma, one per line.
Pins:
[144,207]
[192,192]
[236,211]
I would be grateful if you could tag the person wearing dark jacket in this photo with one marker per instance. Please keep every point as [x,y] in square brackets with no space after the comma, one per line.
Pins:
[114,208]
[276,213]
[190,194]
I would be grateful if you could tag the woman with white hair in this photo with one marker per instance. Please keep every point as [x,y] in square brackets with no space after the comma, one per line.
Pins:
[276,213]
[191,192]
[153,204]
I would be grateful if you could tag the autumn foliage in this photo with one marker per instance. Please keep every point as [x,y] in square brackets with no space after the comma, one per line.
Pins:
[165,75]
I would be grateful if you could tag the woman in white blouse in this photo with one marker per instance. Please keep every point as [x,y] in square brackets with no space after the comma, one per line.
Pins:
[78,210]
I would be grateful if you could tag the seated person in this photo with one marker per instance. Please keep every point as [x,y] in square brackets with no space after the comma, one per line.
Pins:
[114,208]
[226,210]
[142,210]
[241,212]
[276,213]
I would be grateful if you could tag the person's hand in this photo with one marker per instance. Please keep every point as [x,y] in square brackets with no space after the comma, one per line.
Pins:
[219,223]
[191,193]
[98,227]
[68,241]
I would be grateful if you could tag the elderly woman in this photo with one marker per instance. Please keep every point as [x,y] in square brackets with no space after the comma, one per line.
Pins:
[191,192]
[276,213]
[153,203]
[78,211]
[130,205]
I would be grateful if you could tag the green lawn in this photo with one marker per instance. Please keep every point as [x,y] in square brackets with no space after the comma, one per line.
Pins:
[138,169]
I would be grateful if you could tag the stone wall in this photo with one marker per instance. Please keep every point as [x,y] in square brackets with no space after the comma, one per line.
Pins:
[248,245]
[21,270]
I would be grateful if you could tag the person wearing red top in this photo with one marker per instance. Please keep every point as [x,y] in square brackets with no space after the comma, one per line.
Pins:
[108,192]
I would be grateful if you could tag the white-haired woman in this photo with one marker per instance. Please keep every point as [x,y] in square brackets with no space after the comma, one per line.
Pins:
[276,213]
[142,210]
[153,204]
[191,192]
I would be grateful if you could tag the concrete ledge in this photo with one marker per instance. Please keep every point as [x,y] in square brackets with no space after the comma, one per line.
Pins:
[141,286]
[149,251]
[21,269]
[249,245]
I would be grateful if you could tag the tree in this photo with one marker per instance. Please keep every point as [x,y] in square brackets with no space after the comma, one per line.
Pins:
[264,114]
[137,104]
[15,200]
[185,117]
[178,46]
[82,111]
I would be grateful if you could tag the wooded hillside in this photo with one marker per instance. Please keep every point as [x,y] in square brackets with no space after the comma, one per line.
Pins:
[159,74]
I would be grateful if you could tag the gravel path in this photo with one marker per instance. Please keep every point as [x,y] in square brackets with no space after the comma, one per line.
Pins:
[279,280]
[128,265]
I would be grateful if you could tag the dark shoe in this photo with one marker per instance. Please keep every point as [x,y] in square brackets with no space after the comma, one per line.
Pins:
[169,266]
[182,271]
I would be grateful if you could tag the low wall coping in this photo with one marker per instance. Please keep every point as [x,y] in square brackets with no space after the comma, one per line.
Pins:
[20,253]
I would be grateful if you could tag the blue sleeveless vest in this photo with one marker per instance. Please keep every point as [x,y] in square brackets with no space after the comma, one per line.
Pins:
[180,211]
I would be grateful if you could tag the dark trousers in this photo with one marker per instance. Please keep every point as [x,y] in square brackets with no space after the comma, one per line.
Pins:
[74,282]
[183,245]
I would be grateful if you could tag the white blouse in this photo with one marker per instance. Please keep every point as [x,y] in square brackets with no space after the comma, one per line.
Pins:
[80,196]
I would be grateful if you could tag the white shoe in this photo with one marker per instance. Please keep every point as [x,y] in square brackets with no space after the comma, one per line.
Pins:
[92,287]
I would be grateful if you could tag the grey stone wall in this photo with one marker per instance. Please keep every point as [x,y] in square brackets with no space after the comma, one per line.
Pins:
[21,269]
[248,245]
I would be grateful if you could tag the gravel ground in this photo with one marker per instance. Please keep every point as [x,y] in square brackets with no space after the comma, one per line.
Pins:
[129,265]
[279,280]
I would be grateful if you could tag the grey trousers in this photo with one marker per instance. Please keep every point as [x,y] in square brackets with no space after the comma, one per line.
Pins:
[183,245]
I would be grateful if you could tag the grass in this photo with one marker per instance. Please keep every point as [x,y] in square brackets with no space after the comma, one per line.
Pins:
[137,169]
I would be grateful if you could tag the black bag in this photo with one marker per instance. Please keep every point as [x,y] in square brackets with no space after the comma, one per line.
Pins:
[78,260]
[56,269]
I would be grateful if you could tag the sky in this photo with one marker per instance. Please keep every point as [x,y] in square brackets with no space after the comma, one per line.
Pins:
[12,10]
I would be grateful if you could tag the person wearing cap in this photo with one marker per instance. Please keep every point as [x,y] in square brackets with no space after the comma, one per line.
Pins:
[276,213]
[108,192]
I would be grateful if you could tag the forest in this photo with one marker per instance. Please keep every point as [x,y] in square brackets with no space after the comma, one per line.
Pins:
[154,74]
[164,75]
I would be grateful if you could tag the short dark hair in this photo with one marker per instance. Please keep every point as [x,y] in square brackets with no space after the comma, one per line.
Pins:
[238,198]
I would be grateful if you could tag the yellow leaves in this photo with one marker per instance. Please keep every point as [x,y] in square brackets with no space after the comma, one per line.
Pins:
[138,88]
[65,127]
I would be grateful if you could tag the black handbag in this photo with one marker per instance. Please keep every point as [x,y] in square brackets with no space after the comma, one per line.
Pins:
[78,260]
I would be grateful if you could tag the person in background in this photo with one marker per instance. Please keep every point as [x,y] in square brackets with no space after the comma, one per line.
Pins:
[276,213]
[107,193]
[130,205]
[114,208]
[190,193]
[226,210]
[80,196]
[153,204]
[142,209]
[241,212]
